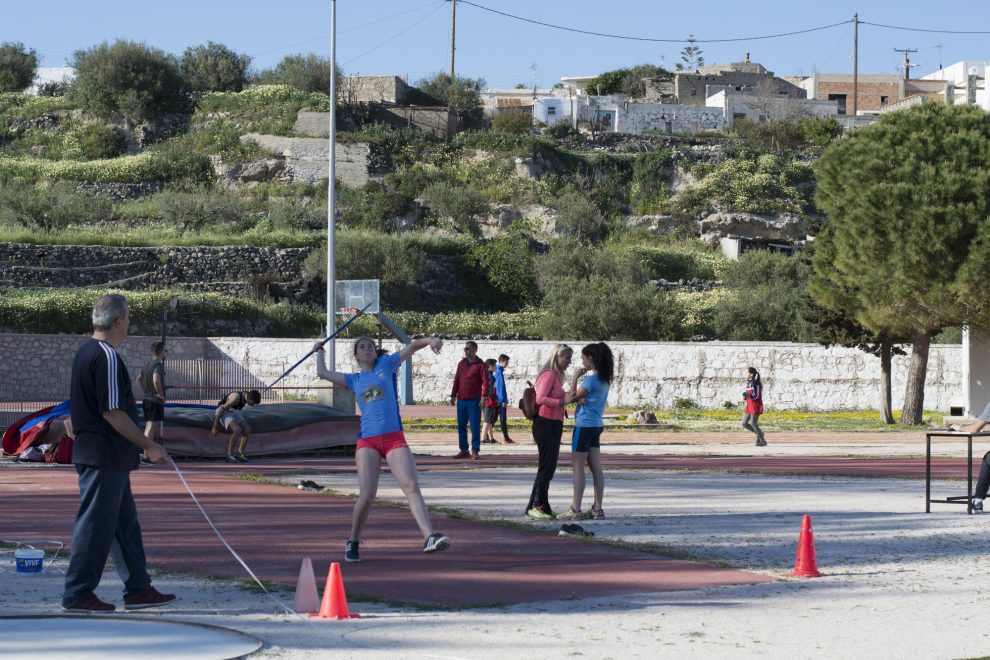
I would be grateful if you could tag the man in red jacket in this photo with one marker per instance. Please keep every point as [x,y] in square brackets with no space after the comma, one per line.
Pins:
[466,394]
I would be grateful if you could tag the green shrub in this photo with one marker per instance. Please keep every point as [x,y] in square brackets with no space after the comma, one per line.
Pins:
[513,122]
[677,262]
[561,130]
[579,218]
[98,141]
[69,311]
[751,185]
[54,88]
[297,214]
[820,132]
[763,299]
[17,66]
[130,79]
[219,137]
[462,95]
[507,264]
[307,73]
[460,203]
[158,164]
[685,403]
[191,208]
[364,255]
[568,257]
[608,309]
[772,135]
[51,207]
[370,207]
[628,82]
[214,68]
[650,176]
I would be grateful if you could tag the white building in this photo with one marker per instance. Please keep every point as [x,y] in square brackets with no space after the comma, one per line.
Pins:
[968,81]
[763,108]
[50,74]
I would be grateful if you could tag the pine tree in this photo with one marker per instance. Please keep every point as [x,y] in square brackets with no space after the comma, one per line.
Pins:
[907,246]
[691,56]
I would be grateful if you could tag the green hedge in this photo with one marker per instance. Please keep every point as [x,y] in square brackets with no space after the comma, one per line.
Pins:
[159,165]
[268,109]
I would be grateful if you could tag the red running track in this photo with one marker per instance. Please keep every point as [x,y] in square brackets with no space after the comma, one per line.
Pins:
[273,527]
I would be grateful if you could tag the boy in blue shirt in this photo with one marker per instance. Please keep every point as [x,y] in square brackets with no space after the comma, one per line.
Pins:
[503,397]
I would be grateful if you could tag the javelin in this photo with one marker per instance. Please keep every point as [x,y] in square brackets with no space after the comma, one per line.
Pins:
[313,350]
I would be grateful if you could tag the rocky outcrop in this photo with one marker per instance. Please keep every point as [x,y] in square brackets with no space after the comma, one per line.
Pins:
[781,227]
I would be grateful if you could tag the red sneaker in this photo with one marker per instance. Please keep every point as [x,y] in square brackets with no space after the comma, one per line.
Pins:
[150,597]
[459,455]
[91,605]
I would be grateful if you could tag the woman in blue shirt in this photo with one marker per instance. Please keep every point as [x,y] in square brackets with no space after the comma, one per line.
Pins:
[381,435]
[597,367]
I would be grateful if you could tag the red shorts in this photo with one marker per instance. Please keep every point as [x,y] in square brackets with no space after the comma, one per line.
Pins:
[384,443]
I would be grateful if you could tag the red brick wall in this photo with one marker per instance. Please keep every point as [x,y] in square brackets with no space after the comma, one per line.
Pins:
[869,94]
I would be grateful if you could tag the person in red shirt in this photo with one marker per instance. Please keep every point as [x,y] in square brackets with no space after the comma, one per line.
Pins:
[753,395]
[466,395]
[548,427]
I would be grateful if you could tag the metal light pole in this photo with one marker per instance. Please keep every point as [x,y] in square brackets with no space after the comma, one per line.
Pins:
[332,193]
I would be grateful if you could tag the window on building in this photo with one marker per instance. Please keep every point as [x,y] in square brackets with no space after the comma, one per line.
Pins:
[884,100]
[551,110]
[841,98]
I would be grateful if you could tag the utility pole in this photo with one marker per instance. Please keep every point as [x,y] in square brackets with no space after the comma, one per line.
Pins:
[453,22]
[855,63]
[332,194]
[533,67]
[907,62]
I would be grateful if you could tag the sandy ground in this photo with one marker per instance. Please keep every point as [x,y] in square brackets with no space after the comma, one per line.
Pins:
[899,583]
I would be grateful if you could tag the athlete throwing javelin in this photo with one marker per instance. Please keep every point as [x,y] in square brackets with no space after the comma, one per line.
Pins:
[381,435]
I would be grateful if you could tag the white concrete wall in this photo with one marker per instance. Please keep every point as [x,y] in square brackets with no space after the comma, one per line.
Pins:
[648,374]
[760,108]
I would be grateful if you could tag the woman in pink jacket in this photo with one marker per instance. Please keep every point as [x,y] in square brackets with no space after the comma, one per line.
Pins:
[548,427]
[753,396]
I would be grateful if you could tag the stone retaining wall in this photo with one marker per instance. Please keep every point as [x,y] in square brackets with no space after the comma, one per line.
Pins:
[35,367]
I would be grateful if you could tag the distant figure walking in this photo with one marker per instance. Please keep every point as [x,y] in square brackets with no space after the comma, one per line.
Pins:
[597,367]
[489,403]
[548,427]
[503,398]
[753,396]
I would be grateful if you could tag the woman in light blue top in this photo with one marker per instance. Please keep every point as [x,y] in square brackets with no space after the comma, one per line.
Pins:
[597,367]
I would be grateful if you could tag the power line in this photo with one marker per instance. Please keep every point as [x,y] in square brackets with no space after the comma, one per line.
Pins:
[356,27]
[394,36]
[631,38]
[911,29]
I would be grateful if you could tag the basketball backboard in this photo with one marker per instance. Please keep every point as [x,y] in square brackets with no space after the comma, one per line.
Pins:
[356,294]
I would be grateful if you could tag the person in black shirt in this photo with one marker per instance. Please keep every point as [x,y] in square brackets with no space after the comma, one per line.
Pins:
[106,449]
[152,381]
[229,414]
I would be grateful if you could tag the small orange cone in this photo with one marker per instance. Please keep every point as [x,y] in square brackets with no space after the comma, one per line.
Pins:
[334,605]
[805,563]
[307,599]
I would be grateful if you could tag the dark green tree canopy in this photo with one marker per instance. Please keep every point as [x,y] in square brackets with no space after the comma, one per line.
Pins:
[130,79]
[462,95]
[907,245]
[626,81]
[214,68]
[310,73]
[17,66]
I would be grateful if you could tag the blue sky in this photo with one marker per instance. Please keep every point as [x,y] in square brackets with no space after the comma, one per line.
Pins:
[411,37]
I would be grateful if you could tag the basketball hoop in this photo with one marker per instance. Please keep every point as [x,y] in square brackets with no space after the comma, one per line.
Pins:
[349,312]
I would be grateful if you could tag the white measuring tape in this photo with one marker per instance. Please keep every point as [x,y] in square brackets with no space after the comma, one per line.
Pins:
[247,568]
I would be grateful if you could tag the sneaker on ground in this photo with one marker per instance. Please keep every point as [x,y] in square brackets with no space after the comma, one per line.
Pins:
[761,443]
[436,543]
[537,513]
[150,597]
[461,454]
[508,441]
[570,514]
[243,459]
[306,484]
[574,530]
[231,459]
[475,456]
[91,605]
[351,552]
[597,514]
[977,506]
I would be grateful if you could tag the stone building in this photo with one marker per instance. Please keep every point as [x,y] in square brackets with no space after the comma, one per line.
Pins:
[874,91]
[694,88]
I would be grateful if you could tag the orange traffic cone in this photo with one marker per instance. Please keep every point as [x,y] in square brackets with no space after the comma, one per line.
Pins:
[334,605]
[806,564]
[307,599]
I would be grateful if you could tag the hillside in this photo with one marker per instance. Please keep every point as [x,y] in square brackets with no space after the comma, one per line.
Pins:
[491,233]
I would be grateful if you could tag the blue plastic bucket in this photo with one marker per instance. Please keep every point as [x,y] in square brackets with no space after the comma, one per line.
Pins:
[29,560]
